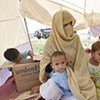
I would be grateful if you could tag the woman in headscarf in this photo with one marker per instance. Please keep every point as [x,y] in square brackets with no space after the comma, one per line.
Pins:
[62,38]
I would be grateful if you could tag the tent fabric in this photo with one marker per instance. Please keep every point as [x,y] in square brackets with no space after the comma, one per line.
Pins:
[12,32]
[95,30]
[86,12]
[8,10]
[31,9]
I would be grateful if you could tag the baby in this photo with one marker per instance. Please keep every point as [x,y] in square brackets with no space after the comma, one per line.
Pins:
[58,83]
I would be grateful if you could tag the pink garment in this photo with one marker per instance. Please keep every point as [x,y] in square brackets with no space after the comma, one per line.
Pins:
[50,91]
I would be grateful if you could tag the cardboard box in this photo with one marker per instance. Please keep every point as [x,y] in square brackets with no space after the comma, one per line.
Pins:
[26,75]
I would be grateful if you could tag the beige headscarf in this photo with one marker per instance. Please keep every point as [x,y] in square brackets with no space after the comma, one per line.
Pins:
[63,38]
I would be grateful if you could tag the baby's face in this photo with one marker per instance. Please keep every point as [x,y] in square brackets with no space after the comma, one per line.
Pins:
[59,63]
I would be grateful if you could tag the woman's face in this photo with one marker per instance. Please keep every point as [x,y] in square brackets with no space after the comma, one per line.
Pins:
[68,28]
[96,56]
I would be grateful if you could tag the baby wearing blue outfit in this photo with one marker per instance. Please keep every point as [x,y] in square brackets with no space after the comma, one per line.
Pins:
[58,83]
[59,74]
[60,78]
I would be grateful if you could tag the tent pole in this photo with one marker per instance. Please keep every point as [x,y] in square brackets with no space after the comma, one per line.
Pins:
[28,33]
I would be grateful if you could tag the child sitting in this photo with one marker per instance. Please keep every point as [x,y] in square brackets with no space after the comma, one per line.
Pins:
[94,66]
[58,83]
[12,54]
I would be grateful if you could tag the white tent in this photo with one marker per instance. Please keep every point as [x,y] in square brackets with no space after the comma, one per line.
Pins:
[86,12]
[12,33]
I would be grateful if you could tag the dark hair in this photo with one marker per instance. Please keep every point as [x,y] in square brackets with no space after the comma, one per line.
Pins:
[57,53]
[96,46]
[11,54]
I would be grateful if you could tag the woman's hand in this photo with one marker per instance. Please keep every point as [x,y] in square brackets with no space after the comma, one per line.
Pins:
[69,59]
[94,79]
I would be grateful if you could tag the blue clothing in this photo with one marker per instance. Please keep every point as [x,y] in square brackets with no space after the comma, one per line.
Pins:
[24,54]
[60,78]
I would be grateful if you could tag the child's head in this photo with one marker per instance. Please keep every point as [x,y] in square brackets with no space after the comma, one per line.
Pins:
[12,54]
[58,61]
[95,53]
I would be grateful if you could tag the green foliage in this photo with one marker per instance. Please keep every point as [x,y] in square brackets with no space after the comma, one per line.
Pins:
[38,45]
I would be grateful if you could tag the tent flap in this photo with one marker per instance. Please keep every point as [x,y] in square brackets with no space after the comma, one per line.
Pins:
[86,12]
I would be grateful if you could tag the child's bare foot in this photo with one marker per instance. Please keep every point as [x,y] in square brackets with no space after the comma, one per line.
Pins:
[35,89]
